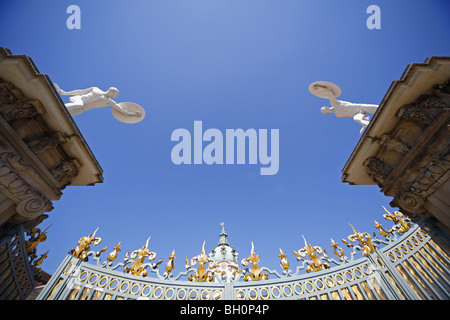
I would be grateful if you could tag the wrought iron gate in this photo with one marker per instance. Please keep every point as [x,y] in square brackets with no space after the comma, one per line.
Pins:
[408,262]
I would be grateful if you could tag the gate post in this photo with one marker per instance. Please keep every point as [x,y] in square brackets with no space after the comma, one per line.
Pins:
[58,282]
[228,291]
[385,283]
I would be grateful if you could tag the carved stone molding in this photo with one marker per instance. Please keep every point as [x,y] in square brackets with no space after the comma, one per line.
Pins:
[30,204]
[377,170]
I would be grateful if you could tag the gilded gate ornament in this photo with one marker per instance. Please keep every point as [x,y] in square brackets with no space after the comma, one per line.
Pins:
[364,239]
[202,274]
[313,253]
[83,247]
[338,251]
[396,217]
[381,230]
[138,267]
[284,263]
[255,272]
[113,255]
[38,262]
[170,265]
[36,237]
[425,264]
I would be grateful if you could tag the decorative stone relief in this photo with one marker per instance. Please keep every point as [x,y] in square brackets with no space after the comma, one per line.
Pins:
[428,106]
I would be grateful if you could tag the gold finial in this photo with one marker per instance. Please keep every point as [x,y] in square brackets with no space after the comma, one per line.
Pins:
[113,255]
[338,251]
[223,226]
[284,263]
[170,265]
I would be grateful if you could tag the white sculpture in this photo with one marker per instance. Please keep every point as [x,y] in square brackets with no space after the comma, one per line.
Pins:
[357,111]
[86,99]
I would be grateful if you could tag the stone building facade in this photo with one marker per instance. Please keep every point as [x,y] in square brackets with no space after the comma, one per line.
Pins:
[41,152]
[405,150]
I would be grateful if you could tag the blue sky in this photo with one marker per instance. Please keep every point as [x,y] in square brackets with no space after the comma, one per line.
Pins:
[230,64]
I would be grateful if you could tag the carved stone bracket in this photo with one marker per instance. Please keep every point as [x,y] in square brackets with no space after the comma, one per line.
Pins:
[30,204]
[409,202]
[413,196]
[12,108]
[393,143]
[65,172]
[41,144]
[377,170]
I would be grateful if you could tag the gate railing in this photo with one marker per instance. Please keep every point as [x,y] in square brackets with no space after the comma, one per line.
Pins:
[408,262]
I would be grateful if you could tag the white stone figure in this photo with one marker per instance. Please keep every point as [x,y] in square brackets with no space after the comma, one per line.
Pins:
[86,99]
[357,111]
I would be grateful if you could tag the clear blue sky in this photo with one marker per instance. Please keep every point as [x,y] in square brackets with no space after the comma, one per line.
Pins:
[231,64]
